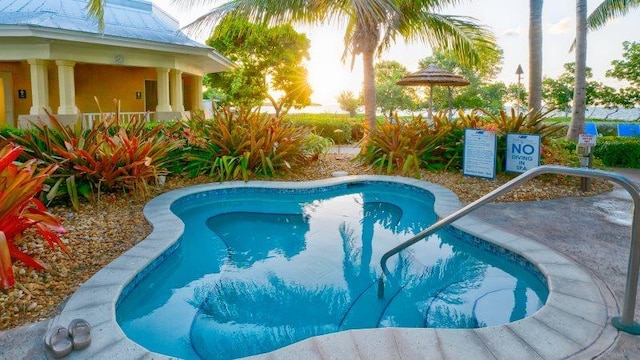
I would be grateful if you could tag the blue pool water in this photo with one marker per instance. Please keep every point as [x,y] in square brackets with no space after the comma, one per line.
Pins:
[259,269]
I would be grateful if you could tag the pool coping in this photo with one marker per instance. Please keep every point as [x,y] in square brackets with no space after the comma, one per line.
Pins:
[573,322]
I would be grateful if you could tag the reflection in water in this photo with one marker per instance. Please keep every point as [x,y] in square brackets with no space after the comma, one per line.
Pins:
[250,319]
[252,237]
[279,277]
[520,305]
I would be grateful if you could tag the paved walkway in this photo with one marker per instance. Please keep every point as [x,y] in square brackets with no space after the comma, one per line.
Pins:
[594,232]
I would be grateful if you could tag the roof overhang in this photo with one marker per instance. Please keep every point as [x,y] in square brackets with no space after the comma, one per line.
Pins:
[207,58]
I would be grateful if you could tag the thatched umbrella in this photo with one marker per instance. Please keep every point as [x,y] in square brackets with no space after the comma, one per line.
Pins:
[434,76]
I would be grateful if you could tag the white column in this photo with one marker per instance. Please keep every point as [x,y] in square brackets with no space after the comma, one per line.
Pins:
[39,86]
[177,97]
[196,93]
[66,81]
[163,90]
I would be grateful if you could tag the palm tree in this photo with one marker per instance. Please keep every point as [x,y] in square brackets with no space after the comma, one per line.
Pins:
[607,10]
[535,56]
[576,126]
[371,27]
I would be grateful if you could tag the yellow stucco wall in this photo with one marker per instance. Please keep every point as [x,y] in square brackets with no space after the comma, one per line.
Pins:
[106,82]
[20,80]
[110,82]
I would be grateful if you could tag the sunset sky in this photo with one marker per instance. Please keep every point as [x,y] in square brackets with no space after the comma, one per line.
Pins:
[508,20]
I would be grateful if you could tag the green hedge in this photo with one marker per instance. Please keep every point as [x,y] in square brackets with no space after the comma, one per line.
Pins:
[326,125]
[618,151]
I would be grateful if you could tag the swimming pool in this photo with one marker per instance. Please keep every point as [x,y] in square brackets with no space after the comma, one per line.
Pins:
[258,269]
[572,323]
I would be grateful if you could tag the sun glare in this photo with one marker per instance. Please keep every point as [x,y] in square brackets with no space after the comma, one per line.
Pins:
[328,76]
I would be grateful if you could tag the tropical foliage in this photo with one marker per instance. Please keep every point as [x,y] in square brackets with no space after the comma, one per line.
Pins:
[20,210]
[404,146]
[236,144]
[110,155]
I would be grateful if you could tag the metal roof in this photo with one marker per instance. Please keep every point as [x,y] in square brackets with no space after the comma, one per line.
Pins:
[132,19]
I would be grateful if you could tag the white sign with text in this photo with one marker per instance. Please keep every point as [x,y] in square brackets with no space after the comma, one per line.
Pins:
[480,147]
[523,152]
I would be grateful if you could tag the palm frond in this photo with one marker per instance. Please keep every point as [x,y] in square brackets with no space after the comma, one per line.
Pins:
[95,9]
[268,12]
[608,10]
[459,34]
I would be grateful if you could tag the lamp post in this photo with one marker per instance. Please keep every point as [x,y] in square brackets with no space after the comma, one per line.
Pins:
[519,72]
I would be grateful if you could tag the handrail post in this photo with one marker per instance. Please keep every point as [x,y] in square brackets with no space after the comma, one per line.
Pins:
[625,322]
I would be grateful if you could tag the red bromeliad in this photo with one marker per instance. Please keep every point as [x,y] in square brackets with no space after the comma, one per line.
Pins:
[21,210]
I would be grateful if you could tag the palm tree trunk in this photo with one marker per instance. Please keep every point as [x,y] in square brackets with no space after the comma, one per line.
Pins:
[369,88]
[535,56]
[580,88]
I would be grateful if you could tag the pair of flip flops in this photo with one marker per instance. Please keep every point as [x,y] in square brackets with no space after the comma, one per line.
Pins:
[61,341]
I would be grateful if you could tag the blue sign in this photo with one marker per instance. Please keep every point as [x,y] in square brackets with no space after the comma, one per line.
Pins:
[523,152]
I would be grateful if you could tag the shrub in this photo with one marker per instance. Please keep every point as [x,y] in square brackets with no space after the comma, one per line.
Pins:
[234,145]
[618,151]
[315,145]
[91,160]
[326,125]
[21,210]
[400,145]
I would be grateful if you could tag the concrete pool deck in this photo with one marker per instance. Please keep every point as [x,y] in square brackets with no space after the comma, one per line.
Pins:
[575,322]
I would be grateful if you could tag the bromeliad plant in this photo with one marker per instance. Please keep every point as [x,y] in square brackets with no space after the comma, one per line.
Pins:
[20,210]
[404,146]
[107,156]
[234,145]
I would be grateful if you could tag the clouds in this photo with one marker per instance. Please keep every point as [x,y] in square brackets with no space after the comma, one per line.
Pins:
[516,31]
[566,25]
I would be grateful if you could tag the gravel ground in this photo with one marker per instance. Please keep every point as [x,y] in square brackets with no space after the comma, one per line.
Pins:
[104,229]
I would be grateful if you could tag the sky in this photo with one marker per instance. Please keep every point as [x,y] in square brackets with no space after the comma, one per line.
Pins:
[507,19]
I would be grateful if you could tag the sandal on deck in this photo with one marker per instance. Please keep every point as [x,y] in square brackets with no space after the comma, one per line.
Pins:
[80,333]
[58,342]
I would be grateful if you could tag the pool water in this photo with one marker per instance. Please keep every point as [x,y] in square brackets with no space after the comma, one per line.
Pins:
[259,269]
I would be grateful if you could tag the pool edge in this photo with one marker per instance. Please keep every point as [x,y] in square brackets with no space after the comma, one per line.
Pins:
[574,318]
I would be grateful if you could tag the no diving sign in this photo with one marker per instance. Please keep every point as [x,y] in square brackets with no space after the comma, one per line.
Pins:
[523,152]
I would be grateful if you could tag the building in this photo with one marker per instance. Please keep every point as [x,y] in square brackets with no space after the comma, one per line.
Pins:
[53,57]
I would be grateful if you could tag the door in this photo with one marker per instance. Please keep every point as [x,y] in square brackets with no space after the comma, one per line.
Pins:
[150,95]
[6,99]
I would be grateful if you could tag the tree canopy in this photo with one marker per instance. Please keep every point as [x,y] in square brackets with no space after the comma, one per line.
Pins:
[628,69]
[270,65]
[391,96]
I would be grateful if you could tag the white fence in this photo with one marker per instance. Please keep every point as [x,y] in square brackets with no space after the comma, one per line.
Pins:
[88,118]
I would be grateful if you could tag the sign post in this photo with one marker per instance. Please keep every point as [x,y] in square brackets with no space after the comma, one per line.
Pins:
[523,152]
[479,159]
[586,142]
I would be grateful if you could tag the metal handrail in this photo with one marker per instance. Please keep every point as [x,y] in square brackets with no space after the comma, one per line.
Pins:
[625,322]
